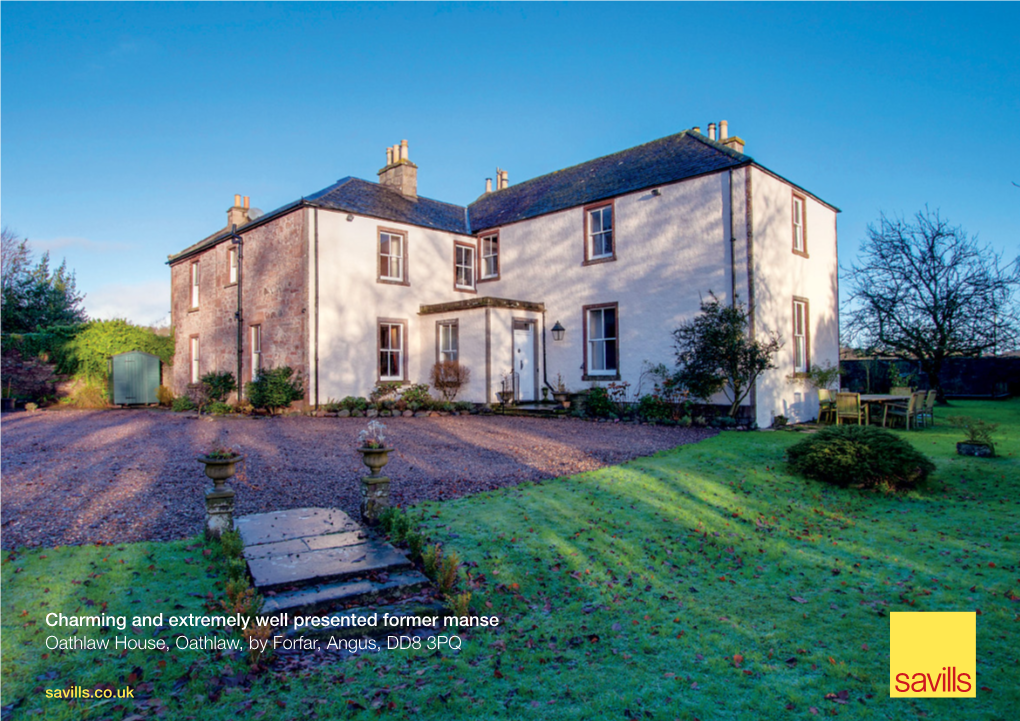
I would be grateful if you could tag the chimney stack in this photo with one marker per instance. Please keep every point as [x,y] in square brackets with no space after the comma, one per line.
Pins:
[400,174]
[502,179]
[711,131]
[732,142]
[238,214]
[697,129]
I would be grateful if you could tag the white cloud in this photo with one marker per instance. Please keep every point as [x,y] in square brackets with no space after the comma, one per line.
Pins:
[145,303]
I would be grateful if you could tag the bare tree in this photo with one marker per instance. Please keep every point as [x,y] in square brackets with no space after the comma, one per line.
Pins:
[924,290]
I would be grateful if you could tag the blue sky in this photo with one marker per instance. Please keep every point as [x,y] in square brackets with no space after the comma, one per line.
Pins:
[128,127]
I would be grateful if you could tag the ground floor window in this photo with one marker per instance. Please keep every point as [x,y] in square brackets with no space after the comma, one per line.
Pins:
[195,375]
[448,341]
[800,335]
[256,351]
[391,350]
[602,353]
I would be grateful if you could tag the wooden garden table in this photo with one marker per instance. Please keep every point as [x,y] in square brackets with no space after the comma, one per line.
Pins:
[878,400]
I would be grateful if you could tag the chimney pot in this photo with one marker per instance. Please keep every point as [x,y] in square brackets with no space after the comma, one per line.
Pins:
[711,131]
[403,150]
[488,185]
[696,129]
[246,202]
[237,200]
[724,131]
[389,156]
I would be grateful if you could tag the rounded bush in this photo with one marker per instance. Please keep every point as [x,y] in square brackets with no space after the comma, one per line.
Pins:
[858,455]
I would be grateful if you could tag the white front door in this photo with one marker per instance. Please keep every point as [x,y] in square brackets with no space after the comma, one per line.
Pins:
[524,360]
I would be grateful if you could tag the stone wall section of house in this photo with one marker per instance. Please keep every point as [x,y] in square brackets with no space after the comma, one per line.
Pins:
[274,264]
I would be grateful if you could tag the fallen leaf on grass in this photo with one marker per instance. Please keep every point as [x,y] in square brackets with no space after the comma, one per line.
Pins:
[798,599]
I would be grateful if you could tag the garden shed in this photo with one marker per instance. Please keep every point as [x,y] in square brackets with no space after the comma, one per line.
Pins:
[134,378]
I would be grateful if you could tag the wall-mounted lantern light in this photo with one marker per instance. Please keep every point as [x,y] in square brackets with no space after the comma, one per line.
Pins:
[558,331]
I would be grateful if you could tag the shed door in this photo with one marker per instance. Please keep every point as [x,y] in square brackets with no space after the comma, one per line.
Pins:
[128,381]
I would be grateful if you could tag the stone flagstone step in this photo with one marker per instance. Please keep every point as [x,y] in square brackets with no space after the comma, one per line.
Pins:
[316,598]
[314,557]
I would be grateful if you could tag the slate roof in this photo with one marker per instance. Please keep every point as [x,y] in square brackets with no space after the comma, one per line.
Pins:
[364,198]
[661,161]
[666,160]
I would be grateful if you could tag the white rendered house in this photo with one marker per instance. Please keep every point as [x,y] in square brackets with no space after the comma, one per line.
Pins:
[366,282]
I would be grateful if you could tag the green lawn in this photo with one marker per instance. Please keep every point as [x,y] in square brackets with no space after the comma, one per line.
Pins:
[624,593]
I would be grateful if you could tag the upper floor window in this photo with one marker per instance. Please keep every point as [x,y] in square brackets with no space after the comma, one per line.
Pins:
[232,264]
[464,267]
[448,342]
[391,350]
[799,226]
[194,284]
[599,244]
[490,256]
[601,343]
[392,257]
[801,358]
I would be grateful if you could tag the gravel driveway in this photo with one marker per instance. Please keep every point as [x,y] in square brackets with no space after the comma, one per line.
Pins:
[71,477]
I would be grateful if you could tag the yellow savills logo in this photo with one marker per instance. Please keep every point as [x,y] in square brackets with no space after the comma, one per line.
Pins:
[933,655]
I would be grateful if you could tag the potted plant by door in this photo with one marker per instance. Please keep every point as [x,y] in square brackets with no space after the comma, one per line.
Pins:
[561,395]
[219,464]
[372,447]
[979,436]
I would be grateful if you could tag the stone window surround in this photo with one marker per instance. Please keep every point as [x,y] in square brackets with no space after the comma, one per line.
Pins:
[798,300]
[586,375]
[405,259]
[403,349]
[482,278]
[797,197]
[588,260]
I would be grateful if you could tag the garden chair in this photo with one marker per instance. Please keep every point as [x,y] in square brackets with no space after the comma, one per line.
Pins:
[900,391]
[926,414]
[826,406]
[908,411]
[848,407]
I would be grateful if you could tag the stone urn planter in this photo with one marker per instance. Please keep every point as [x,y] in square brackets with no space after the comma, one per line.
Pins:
[504,396]
[220,470]
[562,398]
[219,501]
[980,450]
[375,459]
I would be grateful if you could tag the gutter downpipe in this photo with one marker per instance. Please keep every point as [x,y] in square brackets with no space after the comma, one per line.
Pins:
[239,315]
[545,365]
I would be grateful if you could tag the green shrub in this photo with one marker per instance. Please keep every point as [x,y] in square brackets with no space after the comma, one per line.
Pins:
[181,404]
[653,408]
[463,406]
[88,352]
[415,544]
[220,384]
[275,388]
[598,404]
[859,455]
[417,393]
[350,403]
[430,559]
[231,543]
[219,408]
[332,405]
[978,431]
[449,566]
[385,389]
